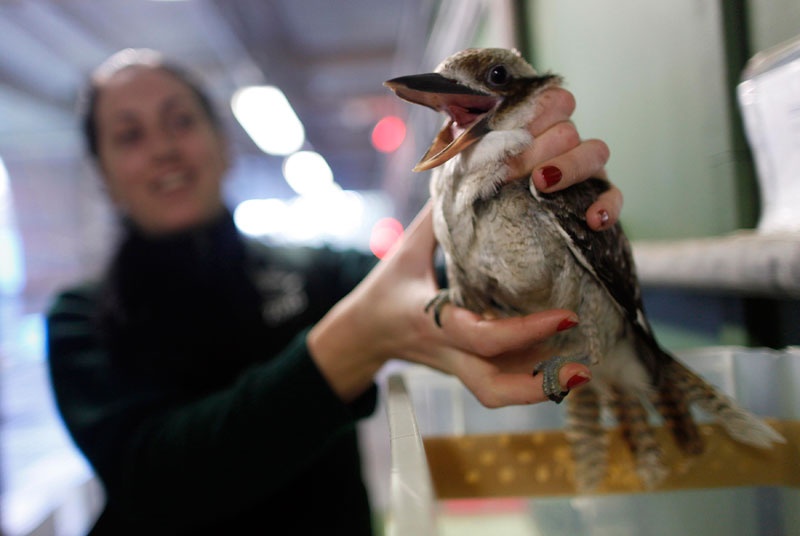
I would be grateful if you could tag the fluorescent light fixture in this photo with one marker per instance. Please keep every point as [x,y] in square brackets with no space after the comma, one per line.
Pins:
[334,217]
[4,182]
[308,173]
[257,217]
[340,219]
[12,260]
[269,120]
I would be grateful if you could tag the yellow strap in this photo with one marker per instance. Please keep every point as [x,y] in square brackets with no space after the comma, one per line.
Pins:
[540,463]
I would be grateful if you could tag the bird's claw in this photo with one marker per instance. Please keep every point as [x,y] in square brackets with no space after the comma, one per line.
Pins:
[550,368]
[440,300]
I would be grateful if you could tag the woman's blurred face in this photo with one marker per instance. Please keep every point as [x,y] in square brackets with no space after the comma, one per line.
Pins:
[162,158]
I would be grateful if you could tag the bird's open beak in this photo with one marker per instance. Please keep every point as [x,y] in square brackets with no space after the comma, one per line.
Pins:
[468,112]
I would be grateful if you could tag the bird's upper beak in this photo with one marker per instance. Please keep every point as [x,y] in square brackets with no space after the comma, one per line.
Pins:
[469,111]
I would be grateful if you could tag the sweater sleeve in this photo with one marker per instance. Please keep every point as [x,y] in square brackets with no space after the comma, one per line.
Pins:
[172,460]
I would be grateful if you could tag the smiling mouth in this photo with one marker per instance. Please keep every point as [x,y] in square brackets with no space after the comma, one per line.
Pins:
[171,182]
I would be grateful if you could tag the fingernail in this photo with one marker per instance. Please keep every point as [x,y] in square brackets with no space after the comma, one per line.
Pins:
[604,217]
[566,324]
[551,175]
[578,380]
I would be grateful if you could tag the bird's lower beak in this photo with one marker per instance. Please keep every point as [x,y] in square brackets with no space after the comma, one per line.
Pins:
[467,108]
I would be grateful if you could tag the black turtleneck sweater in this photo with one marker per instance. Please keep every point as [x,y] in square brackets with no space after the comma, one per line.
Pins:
[184,377]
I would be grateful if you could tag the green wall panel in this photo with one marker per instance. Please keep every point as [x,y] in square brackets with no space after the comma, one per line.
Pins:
[649,78]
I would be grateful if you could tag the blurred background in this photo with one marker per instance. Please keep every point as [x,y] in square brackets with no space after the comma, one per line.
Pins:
[656,80]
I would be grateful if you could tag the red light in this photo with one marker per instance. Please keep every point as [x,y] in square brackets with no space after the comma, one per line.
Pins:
[385,233]
[388,134]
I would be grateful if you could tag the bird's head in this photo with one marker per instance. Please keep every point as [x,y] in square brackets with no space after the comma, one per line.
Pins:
[476,88]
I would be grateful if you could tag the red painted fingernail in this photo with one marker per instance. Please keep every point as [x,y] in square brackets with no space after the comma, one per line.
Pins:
[566,324]
[551,175]
[577,380]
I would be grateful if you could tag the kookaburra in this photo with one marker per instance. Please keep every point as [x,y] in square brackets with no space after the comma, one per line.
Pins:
[511,250]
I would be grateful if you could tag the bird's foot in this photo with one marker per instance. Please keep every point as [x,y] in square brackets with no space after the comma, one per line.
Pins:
[441,299]
[550,368]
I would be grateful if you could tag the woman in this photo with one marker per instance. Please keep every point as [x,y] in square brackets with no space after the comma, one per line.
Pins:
[214,384]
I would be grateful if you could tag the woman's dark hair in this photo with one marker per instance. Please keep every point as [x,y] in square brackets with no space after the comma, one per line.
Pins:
[131,58]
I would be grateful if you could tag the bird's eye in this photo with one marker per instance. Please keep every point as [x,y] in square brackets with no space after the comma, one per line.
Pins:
[498,75]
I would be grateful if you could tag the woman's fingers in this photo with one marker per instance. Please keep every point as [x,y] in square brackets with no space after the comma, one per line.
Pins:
[584,160]
[605,212]
[507,389]
[475,334]
[557,140]
[558,158]
[555,105]
[561,169]
[497,357]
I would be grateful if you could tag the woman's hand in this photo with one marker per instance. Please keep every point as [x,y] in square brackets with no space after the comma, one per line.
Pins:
[558,158]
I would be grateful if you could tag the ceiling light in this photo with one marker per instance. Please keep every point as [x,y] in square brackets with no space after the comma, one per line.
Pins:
[12,260]
[268,118]
[308,173]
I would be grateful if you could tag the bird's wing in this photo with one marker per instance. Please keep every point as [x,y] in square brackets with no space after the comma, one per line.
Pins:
[605,254]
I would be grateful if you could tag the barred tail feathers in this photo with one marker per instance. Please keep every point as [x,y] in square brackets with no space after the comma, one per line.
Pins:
[672,402]
[640,436]
[739,423]
[588,438]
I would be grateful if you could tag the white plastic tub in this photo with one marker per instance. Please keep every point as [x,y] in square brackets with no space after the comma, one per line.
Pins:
[459,468]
